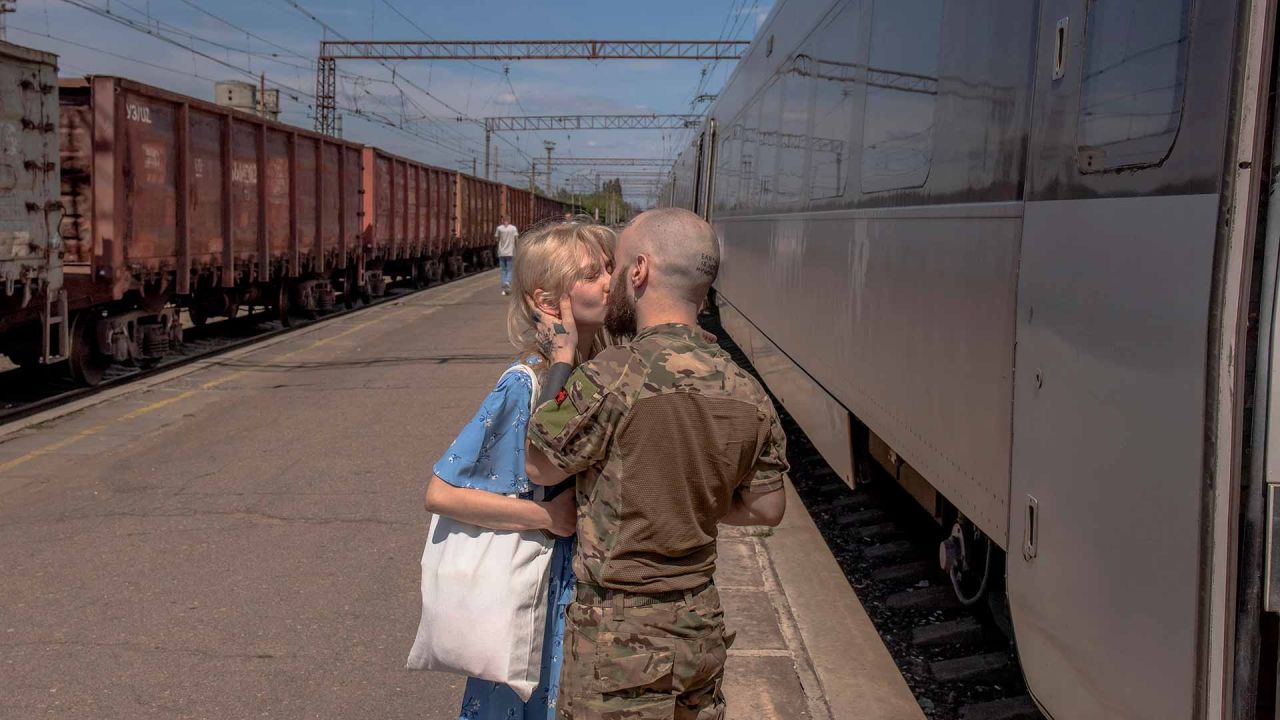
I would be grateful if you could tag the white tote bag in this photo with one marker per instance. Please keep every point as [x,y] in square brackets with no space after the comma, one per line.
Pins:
[484,599]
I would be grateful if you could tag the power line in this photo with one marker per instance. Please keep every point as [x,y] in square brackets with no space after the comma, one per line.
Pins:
[259,38]
[291,91]
[160,24]
[330,29]
[428,35]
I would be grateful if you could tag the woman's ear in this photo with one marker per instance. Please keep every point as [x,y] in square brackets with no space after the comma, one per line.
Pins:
[545,302]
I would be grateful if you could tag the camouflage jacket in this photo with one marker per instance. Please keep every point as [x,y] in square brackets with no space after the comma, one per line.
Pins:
[661,432]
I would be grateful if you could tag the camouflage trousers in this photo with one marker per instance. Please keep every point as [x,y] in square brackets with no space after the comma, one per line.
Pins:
[638,657]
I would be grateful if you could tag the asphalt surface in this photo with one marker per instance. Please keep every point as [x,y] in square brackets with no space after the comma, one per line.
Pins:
[242,540]
[239,538]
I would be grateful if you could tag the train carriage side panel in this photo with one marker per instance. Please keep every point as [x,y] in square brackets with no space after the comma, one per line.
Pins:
[306,163]
[245,196]
[399,197]
[413,210]
[279,199]
[445,213]
[1109,578]
[208,232]
[31,250]
[351,207]
[435,205]
[912,263]
[330,206]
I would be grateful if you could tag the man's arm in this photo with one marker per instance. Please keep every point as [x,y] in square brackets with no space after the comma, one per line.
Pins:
[756,508]
[540,469]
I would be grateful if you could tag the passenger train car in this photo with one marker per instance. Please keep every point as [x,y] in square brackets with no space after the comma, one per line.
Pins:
[1034,247]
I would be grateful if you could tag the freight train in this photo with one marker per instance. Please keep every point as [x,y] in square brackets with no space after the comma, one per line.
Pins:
[1035,246]
[125,204]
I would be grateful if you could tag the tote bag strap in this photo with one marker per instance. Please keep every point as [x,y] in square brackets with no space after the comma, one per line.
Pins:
[533,380]
[539,492]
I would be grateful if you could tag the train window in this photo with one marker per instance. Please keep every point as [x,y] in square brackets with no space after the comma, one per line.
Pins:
[750,124]
[793,137]
[726,182]
[767,145]
[831,68]
[902,90]
[1134,73]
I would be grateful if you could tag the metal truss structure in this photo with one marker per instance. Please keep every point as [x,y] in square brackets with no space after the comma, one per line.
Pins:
[533,49]
[520,123]
[333,50]
[614,162]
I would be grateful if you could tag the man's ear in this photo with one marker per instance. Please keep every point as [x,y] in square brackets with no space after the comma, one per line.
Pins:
[640,272]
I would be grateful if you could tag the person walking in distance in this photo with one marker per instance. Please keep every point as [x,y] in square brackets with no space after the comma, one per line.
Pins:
[506,234]
[668,439]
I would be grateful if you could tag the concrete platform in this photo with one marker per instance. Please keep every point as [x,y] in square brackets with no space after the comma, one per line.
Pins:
[240,538]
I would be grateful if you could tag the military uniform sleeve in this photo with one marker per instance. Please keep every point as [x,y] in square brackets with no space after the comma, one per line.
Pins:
[574,429]
[771,467]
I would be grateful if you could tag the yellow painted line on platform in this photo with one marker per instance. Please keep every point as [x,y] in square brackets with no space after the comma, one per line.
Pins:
[87,432]
[52,447]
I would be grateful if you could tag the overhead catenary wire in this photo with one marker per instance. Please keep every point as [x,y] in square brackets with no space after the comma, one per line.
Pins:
[293,92]
[457,143]
[330,29]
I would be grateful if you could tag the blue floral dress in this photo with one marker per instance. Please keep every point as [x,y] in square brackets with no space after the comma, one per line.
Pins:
[489,455]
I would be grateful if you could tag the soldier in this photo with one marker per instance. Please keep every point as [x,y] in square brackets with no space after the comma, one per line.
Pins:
[668,438]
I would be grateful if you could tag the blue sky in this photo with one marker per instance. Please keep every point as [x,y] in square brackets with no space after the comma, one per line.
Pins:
[89,43]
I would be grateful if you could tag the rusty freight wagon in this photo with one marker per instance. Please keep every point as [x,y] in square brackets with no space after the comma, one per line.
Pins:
[408,219]
[544,209]
[478,208]
[172,201]
[32,304]
[517,206]
[528,210]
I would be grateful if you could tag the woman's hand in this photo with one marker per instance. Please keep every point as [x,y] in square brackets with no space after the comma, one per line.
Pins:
[557,335]
[563,513]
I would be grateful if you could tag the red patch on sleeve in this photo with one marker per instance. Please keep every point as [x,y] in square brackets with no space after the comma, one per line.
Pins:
[560,396]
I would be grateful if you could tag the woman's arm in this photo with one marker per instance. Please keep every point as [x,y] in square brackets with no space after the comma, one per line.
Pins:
[499,512]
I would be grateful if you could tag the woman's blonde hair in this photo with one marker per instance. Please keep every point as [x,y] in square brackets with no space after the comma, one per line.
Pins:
[550,259]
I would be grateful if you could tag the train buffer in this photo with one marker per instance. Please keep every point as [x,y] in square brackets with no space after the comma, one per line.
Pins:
[240,537]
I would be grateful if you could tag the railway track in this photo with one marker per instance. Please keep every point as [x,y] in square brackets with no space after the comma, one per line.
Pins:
[958,661]
[24,393]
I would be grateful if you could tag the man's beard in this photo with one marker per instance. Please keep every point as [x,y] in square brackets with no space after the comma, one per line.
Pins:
[620,312]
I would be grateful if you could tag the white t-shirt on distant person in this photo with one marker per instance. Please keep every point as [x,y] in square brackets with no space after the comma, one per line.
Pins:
[506,234]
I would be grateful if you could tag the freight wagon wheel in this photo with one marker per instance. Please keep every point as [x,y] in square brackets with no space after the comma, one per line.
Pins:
[196,312]
[353,294]
[284,311]
[417,277]
[86,364]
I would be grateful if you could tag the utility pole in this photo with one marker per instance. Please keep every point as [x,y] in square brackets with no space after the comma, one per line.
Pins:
[549,146]
[497,166]
[473,167]
[262,95]
[6,7]
[533,169]
[488,135]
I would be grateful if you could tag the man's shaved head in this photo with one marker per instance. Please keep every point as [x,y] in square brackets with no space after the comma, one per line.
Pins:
[683,248]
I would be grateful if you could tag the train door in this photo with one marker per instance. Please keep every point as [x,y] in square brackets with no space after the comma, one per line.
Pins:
[706,170]
[695,201]
[1113,542]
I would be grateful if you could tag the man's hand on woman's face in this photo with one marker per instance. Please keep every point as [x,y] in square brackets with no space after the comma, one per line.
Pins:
[557,334]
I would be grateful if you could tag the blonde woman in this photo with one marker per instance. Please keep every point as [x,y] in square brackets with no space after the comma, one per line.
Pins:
[560,280]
